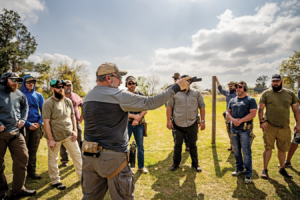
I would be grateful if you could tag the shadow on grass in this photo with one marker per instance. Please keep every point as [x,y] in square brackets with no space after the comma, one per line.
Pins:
[231,159]
[170,185]
[66,191]
[283,192]
[247,191]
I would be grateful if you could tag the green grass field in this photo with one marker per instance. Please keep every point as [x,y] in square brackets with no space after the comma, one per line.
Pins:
[214,182]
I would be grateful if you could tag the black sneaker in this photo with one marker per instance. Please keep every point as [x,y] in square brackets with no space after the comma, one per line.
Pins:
[4,197]
[24,193]
[286,164]
[264,174]
[284,173]
[64,164]
[174,167]
[197,168]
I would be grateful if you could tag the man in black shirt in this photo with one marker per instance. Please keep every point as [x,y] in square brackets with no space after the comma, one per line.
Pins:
[136,126]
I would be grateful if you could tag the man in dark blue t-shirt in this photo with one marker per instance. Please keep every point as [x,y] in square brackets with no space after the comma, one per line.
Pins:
[241,110]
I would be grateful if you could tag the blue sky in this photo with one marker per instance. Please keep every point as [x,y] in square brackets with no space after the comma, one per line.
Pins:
[233,39]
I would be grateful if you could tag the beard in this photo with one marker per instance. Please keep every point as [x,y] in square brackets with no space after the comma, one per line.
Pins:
[232,90]
[58,95]
[278,88]
[10,88]
[68,91]
[113,85]
[239,93]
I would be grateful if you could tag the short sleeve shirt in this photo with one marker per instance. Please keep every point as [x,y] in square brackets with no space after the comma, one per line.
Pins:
[76,101]
[59,112]
[240,107]
[278,106]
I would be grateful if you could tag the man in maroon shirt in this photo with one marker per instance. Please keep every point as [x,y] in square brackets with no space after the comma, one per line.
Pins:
[77,101]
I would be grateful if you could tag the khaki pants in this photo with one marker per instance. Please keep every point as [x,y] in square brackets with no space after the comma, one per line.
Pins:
[94,177]
[75,154]
[19,154]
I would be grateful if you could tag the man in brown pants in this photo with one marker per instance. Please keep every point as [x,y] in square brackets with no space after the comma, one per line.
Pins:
[13,115]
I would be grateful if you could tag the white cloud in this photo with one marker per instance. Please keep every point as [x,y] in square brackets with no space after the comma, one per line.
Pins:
[238,48]
[26,8]
[37,58]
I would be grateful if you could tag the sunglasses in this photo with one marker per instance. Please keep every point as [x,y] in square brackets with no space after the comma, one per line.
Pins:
[118,77]
[59,87]
[14,80]
[131,84]
[29,82]
[175,79]
[239,87]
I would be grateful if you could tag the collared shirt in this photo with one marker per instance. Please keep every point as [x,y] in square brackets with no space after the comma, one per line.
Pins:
[76,101]
[228,95]
[185,107]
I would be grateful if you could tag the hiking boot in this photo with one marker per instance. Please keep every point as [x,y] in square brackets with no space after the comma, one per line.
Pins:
[236,173]
[59,186]
[174,167]
[247,180]
[264,174]
[143,170]
[284,173]
[24,193]
[64,164]
[34,176]
[286,164]
[197,168]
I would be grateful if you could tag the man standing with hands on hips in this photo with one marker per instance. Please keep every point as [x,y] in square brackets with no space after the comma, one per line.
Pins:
[241,111]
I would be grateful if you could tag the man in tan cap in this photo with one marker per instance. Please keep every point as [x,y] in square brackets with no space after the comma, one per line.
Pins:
[229,95]
[105,113]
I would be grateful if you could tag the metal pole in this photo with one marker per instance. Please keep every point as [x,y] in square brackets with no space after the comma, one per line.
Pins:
[213,136]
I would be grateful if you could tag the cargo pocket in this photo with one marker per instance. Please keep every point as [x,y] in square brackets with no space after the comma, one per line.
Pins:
[124,183]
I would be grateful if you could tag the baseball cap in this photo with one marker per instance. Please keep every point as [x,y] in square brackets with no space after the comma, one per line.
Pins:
[30,78]
[276,77]
[107,68]
[130,78]
[176,75]
[56,82]
[231,83]
[68,82]
[241,83]
[7,75]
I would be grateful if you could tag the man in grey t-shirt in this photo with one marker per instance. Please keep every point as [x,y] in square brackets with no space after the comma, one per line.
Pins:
[105,113]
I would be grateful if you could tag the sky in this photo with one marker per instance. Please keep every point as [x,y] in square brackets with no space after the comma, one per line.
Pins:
[231,39]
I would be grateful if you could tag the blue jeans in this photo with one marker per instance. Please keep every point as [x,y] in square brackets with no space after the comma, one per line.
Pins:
[138,132]
[241,140]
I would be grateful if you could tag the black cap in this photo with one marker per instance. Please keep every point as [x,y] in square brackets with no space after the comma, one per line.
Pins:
[56,82]
[7,75]
[241,83]
[276,77]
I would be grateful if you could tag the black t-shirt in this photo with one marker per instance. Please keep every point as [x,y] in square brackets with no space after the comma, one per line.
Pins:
[240,107]
[138,93]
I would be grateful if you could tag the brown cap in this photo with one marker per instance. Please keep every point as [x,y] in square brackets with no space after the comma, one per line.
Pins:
[130,78]
[30,78]
[231,83]
[108,68]
[68,82]
[176,75]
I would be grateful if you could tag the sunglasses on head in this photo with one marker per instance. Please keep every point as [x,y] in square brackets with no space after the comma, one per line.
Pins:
[131,83]
[239,87]
[29,82]
[58,87]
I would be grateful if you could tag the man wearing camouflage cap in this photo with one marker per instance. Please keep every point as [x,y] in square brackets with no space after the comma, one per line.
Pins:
[136,125]
[13,115]
[105,114]
[229,95]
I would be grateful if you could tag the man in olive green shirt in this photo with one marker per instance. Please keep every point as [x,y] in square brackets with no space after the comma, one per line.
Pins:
[275,122]
[60,126]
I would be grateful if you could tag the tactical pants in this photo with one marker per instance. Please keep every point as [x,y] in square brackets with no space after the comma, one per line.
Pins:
[19,154]
[192,136]
[94,177]
[63,151]
[32,139]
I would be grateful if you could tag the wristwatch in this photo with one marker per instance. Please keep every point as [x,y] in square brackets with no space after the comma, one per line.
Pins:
[203,121]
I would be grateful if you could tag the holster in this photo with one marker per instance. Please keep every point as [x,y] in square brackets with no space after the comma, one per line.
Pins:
[91,147]
[145,129]
[198,119]
[249,126]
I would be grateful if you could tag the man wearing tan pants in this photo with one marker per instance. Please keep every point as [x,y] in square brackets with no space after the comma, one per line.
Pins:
[60,126]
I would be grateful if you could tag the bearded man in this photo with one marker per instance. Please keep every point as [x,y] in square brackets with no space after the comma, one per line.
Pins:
[229,95]
[275,122]
[13,115]
[60,127]
[77,102]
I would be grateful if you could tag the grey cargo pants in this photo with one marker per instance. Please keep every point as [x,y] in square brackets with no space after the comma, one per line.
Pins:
[94,177]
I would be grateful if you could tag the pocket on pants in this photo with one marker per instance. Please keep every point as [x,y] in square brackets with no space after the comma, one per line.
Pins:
[124,183]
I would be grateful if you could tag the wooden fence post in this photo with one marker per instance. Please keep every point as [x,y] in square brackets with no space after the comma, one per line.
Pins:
[213,136]
[298,78]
